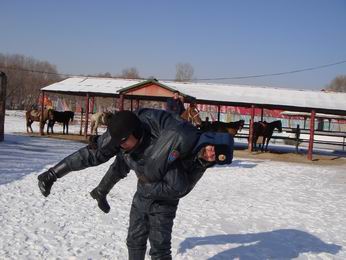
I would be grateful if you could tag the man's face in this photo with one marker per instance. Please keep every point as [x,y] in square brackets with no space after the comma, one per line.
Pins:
[176,95]
[209,153]
[129,143]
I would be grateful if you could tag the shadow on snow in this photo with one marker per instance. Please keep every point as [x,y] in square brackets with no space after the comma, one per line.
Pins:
[23,155]
[277,244]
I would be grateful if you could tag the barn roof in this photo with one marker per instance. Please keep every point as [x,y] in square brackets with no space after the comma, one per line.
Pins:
[100,86]
[243,95]
[218,94]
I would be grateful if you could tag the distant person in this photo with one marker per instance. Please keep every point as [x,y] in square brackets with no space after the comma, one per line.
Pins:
[206,125]
[175,104]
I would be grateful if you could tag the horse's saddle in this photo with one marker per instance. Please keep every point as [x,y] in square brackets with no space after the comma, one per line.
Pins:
[263,124]
[35,113]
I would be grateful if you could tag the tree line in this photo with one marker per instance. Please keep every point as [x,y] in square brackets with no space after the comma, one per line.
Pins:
[27,75]
[23,82]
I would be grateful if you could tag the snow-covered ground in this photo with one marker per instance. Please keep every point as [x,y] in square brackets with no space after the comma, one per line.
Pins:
[251,209]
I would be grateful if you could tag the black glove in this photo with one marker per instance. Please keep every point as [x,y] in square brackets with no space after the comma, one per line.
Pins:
[93,142]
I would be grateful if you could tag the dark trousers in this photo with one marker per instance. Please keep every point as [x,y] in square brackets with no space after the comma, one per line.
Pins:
[153,220]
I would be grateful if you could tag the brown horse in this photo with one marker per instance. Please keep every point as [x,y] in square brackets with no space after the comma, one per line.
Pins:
[191,114]
[265,130]
[232,127]
[34,115]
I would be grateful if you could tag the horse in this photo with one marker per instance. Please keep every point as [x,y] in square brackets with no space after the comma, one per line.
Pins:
[97,119]
[265,130]
[191,114]
[34,115]
[231,127]
[60,117]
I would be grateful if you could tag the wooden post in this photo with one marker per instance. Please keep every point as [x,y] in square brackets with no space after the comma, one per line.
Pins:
[137,104]
[42,114]
[329,121]
[92,104]
[121,102]
[297,138]
[312,131]
[81,122]
[3,85]
[262,114]
[131,104]
[250,145]
[304,122]
[86,116]
[218,112]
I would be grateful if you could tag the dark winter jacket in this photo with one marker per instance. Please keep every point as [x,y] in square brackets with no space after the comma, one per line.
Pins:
[165,161]
[175,106]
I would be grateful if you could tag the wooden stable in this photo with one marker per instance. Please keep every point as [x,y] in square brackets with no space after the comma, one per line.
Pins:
[153,90]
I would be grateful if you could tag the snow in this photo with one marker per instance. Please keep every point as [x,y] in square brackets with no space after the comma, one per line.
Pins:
[251,209]
[85,85]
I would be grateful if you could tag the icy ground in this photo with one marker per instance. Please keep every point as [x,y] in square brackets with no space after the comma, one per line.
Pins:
[250,209]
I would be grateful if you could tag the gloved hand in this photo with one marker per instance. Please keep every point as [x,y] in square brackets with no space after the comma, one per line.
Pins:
[93,142]
[45,181]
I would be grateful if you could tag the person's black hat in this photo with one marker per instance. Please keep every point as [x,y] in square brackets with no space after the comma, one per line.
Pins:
[123,124]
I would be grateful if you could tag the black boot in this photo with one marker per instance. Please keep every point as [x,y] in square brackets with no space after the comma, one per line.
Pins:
[107,183]
[45,181]
[101,200]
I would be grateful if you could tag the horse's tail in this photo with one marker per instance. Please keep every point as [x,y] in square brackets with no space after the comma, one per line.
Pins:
[71,116]
[241,124]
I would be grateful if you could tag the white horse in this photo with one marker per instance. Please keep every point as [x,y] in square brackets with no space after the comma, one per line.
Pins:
[97,119]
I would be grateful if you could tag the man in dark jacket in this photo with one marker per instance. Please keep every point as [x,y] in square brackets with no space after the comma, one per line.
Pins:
[168,156]
[174,104]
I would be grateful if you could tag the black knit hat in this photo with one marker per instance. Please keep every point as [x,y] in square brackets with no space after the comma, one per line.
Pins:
[123,124]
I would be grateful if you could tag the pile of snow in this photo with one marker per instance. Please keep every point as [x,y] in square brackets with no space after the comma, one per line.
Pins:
[251,209]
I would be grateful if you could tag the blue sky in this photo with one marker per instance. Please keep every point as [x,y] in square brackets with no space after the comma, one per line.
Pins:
[218,38]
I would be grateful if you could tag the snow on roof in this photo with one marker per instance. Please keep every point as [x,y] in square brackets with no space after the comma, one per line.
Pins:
[92,85]
[213,92]
[262,95]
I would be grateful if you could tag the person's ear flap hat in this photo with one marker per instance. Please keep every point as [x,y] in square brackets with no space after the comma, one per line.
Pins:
[223,143]
[224,153]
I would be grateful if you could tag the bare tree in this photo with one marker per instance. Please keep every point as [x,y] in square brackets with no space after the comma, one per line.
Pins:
[104,75]
[338,84]
[26,76]
[184,72]
[130,73]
